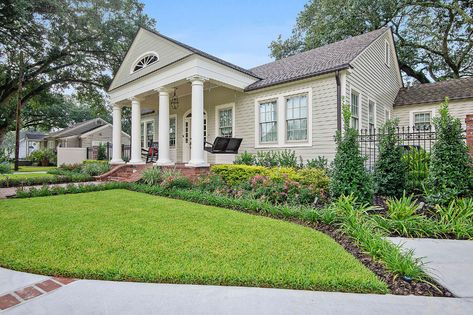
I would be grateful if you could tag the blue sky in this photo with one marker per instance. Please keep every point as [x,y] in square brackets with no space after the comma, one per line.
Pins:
[237,31]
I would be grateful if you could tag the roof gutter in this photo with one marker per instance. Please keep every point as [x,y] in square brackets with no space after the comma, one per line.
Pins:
[339,100]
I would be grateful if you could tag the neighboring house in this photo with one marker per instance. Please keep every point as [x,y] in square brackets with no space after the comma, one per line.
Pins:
[294,103]
[86,134]
[30,141]
[415,106]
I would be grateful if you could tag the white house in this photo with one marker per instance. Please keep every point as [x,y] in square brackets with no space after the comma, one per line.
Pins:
[30,141]
[293,103]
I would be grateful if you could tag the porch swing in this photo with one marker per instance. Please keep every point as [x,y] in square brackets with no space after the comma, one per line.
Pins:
[223,145]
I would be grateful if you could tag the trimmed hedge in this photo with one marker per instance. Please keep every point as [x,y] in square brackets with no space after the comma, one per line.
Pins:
[234,174]
[95,162]
[18,182]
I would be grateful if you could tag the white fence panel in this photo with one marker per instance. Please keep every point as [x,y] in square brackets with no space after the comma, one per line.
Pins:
[71,155]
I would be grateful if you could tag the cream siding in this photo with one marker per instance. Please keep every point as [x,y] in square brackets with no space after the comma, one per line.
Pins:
[146,41]
[102,135]
[458,109]
[375,80]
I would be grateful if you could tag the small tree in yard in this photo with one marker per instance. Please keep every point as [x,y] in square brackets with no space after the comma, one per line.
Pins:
[101,152]
[450,172]
[349,175]
[390,168]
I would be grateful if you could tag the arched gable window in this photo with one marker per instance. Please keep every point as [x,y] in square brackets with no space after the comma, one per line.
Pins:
[145,61]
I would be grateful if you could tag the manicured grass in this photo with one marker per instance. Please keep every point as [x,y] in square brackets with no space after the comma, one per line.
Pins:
[125,235]
[26,175]
[34,168]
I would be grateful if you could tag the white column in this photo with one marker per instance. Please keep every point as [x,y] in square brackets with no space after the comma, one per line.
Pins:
[117,135]
[163,135]
[197,127]
[136,132]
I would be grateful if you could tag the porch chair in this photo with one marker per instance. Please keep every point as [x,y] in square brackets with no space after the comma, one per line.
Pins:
[151,154]
[223,145]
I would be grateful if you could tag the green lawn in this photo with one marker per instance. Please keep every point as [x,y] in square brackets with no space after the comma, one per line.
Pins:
[25,175]
[34,168]
[125,235]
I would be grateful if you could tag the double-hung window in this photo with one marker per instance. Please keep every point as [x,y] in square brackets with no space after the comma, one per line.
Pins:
[422,120]
[225,122]
[268,123]
[149,133]
[296,118]
[371,115]
[355,109]
[172,132]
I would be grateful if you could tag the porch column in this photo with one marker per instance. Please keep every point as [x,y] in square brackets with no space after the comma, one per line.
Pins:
[163,136]
[136,131]
[117,135]
[197,126]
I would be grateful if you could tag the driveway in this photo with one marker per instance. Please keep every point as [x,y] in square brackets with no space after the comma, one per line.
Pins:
[450,262]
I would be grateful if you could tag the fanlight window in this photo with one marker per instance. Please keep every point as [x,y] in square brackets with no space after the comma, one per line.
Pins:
[145,62]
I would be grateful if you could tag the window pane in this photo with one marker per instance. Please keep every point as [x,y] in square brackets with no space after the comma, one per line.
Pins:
[226,122]
[172,132]
[268,122]
[296,118]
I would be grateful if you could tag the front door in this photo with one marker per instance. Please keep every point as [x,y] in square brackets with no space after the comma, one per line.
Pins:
[187,137]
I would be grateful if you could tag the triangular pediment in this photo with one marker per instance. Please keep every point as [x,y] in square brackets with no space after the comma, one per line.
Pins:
[145,43]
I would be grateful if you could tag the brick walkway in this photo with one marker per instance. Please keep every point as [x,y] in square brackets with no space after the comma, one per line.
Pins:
[11,191]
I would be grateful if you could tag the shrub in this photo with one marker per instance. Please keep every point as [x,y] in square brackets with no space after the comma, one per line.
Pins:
[450,166]
[287,158]
[245,159]
[457,217]
[43,156]
[101,152]
[210,182]
[176,181]
[94,162]
[5,167]
[283,173]
[390,169]
[417,162]
[315,177]
[402,208]
[267,159]
[152,176]
[319,162]
[95,169]
[349,175]
[234,174]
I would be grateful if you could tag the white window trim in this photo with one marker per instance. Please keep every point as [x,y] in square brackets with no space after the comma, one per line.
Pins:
[387,53]
[388,116]
[360,105]
[280,99]
[431,111]
[218,108]
[175,117]
[375,108]
[140,57]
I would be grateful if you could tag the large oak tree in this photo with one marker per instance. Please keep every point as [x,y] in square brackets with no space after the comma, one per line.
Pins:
[433,38]
[67,44]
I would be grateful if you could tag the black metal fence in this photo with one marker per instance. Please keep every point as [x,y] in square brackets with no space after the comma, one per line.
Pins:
[417,144]
[92,152]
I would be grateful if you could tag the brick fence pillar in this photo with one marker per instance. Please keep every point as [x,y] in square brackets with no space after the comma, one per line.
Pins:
[469,133]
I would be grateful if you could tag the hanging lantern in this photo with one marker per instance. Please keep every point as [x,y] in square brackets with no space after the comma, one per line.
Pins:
[174,100]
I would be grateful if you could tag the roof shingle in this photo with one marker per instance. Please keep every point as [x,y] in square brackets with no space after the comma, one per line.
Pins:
[314,62]
[455,89]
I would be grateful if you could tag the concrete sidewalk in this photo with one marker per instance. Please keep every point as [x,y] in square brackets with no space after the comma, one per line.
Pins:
[450,262]
[107,297]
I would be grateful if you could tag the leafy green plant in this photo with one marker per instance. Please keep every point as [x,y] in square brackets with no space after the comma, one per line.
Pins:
[456,217]
[43,156]
[234,174]
[319,162]
[390,169]
[101,152]
[349,175]
[152,176]
[451,167]
[5,167]
[287,158]
[417,161]
[245,159]
[402,208]
[315,177]
[94,162]
[267,159]
[95,169]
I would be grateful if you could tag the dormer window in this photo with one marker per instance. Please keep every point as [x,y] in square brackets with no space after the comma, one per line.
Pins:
[145,61]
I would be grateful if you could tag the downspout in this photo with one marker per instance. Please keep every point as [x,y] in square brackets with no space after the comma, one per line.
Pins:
[339,100]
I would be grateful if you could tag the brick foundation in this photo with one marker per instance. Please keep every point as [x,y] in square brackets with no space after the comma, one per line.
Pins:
[469,133]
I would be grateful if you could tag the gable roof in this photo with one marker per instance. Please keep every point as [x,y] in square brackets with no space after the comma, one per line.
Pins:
[455,89]
[78,129]
[321,60]
[32,135]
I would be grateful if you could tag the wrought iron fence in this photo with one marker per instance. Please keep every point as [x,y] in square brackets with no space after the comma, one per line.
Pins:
[92,152]
[417,143]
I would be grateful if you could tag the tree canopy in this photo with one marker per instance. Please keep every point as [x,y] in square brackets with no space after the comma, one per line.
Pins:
[433,38]
[67,44]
